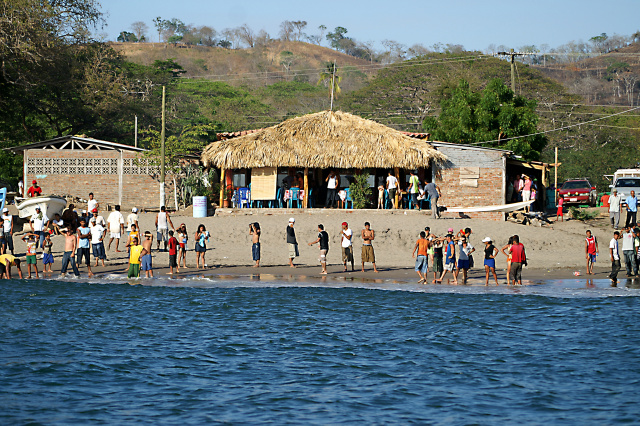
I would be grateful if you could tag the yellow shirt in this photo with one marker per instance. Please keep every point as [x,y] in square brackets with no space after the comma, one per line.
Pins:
[134,258]
[7,259]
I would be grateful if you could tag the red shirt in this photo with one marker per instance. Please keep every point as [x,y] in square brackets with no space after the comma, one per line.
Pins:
[517,253]
[591,245]
[173,246]
[32,192]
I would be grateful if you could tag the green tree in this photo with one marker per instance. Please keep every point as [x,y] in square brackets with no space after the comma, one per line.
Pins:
[126,36]
[336,37]
[494,114]
[330,76]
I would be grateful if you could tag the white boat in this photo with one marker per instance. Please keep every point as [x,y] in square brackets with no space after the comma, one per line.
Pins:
[505,208]
[49,205]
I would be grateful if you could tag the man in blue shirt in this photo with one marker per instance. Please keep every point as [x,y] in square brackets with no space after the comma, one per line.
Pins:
[632,209]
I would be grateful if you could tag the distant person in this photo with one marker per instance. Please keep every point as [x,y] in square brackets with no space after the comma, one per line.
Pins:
[381,196]
[132,219]
[70,245]
[163,221]
[70,218]
[518,260]
[560,212]
[38,221]
[333,181]
[116,227]
[6,262]
[56,224]
[47,255]
[8,229]
[464,252]
[629,252]
[509,191]
[201,239]
[347,246]
[632,209]
[99,220]
[183,240]
[517,188]
[437,265]
[490,252]
[134,259]
[614,254]
[146,261]
[422,260]
[292,242]
[98,234]
[414,189]
[34,190]
[434,194]
[392,188]
[92,203]
[591,251]
[526,191]
[323,239]
[84,245]
[172,244]
[32,244]
[21,189]
[614,208]
[449,259]
[368,255]
[254,231]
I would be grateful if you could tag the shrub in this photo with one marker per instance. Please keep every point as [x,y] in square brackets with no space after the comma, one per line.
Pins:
[582,214]
[360,191]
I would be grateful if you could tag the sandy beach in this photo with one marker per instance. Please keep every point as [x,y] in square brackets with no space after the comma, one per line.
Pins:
[554,251]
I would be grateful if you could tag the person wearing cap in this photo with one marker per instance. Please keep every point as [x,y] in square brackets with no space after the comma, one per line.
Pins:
[97,219]
[132,219]
[8,230]
[6,262]
[490,252]
[347,246]
[92,203]
[38,221]
[614,208]
[34,190]
[323,239]
[292,242]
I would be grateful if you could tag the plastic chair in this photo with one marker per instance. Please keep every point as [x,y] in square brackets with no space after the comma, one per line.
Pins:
[244,197]
[348,198]
[427,200]
[294,195]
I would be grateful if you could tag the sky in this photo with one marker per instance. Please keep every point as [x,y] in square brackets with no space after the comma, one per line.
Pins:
[475,24]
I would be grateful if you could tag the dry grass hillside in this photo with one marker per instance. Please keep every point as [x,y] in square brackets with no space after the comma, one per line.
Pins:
[258,66]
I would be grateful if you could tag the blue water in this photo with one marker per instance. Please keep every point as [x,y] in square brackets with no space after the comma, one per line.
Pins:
[273,351]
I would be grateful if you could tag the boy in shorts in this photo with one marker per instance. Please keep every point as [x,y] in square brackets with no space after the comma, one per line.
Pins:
[47,256]
[30,239]
[173,253]
[590,251]
[146,263]
[134,259]
[422,246]
[323,239]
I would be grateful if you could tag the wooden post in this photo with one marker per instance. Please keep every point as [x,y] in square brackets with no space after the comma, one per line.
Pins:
[222,187]
[397,173]
[555,189]
[305,203]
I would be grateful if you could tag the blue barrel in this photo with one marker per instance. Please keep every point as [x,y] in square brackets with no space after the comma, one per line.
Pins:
[200,206]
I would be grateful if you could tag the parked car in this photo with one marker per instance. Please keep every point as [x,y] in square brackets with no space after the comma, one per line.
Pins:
[578,191]
[624,186]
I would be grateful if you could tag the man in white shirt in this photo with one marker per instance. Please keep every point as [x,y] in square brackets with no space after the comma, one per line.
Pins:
[347,247]
[629,252]
[38,221]
[99,220]
[92,203]
[8,230]
[116,227]
[98,233]
[132,219]
[614,208]
[615,258]
[392,188]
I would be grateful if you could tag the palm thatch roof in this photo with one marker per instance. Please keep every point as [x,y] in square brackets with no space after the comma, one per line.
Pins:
[322,140]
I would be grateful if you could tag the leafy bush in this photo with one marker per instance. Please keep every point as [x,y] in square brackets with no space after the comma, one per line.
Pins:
[582,214]
[360,191]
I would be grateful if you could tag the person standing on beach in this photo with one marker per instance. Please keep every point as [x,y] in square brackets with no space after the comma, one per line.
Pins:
[434,194]
[134,259]
[254,231]
[628,250]
[449,259]
[8,229]
[163,221]
[591,251]
[34,190]
[146,261]
[132,219]
[92,203]
[347,246]
[97,219]
[84,242]
[392,188]
[183,239]
[614,208]
[98,234]
[47,256]
[368,255]
[172,244]
[437,266]
[70,245]
[116,227]
[490,252]
[37,225]
[201,238]
[560,212]
[422,261]
[518,259]
[614,253]
[32,244]
[292,242]
[632,209]
[323,239]
[464,252]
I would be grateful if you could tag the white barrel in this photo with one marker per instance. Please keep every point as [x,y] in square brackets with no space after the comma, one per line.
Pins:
[200,206]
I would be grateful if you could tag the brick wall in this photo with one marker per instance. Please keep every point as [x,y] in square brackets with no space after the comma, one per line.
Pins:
[490,181]
[78,172]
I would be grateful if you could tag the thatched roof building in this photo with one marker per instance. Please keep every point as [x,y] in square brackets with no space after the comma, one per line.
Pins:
[323,140]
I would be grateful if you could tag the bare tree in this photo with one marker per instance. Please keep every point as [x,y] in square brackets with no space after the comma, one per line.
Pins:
[231,35]
[207,35]
[262,38]
[140,29]
[286,30]
[417,50]
[246,35]
[298,27]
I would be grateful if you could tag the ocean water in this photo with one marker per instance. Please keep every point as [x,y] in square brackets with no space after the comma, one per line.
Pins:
[275,350]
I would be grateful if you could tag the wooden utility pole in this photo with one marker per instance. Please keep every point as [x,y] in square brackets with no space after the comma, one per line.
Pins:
[162,151]
[333,79]
[513,65]
[135,134]
[305,203]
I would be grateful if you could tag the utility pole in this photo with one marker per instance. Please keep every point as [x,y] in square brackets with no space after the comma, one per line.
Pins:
[513,65]
[135,133]
[162,152]
[333,78]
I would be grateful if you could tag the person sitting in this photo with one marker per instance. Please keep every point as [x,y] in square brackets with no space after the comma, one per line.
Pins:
[55,224]
[342,198]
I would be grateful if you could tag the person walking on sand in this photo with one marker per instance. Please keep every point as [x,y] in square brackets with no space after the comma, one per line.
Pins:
[434,194]
[323,239]
[201,238]
[368,255]
[347,246]
[518,259]
[614,254]
[146,261]
[392,189]
[490,252]
[422,246]
[628,250]
[84,243]
[70,245]
[632,209]
[254,231]
[116,227]
[134,259]
[449,259]
[292,242]
[98,234]
[591,251]
[614,208]
[163,221]
[172,244]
